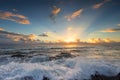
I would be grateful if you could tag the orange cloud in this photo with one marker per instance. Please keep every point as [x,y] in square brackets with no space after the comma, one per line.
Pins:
[111,30]
[14,17]
[55,12]
[1,29]
[99,40]
[32,37]
[74,15]
[98,5]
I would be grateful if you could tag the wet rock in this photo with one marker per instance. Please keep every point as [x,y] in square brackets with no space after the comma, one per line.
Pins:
[64,55]
[98,76]
[45,78]
[18,55]
[61,55]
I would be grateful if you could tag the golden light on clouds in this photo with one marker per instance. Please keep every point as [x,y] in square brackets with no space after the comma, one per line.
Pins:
[32,37]
[99,40]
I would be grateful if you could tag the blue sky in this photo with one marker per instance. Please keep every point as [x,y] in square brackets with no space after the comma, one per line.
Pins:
[61,20]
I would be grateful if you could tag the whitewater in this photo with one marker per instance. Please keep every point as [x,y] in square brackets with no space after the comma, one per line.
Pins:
[59,62]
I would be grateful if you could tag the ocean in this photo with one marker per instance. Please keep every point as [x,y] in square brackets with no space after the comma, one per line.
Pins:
[58,62]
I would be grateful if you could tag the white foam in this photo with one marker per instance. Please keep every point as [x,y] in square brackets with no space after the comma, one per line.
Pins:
[77,68]
[89,60]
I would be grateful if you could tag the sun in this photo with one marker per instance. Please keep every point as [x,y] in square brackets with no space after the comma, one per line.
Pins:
[71,35]
[69,40]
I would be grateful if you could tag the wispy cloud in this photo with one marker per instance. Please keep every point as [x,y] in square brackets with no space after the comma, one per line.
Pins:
[74,15]
[111,30]
[98,5]
[55,12]
[14,17]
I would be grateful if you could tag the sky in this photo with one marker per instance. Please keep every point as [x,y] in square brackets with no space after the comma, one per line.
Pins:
[94,21]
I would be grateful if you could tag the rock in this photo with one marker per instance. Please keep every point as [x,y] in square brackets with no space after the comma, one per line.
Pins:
[45,78]
[64,55]
[27,78]
[18,55]
[61,55]
[98,76]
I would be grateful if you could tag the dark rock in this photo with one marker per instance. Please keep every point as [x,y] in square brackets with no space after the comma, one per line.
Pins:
[18,55]
[98,76]
[61,55]
[27,78]
[45,78]
[64,55]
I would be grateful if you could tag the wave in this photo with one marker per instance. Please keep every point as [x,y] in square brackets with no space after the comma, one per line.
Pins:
[66,69]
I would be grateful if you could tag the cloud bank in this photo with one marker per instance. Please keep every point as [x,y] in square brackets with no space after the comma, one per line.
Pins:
[10,37]
[99,40]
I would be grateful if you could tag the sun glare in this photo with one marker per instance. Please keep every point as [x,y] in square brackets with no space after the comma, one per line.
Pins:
[71,35]
[69,40]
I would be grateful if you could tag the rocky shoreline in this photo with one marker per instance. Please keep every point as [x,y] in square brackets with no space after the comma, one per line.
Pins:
[96,76]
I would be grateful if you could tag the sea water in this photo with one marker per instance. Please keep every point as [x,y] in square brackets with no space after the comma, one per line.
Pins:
[47,61]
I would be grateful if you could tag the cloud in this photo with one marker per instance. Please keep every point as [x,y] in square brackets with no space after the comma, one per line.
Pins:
[55,12]
[44,35]
[118,24]
[74,15]
[11,37]
[1,29]
[112,30]
[15,10]
[99,40]
[14,17]
[98,5]
[32,37]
